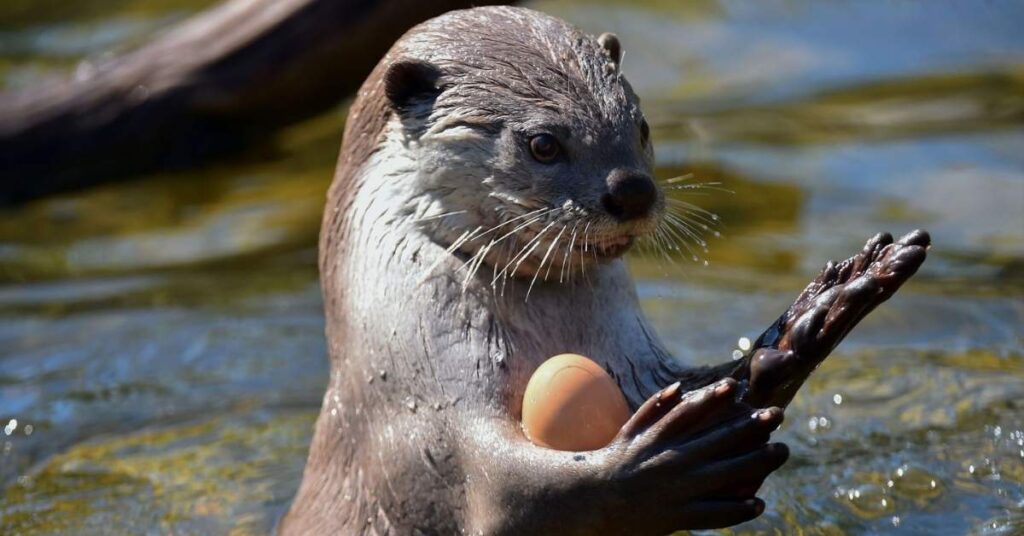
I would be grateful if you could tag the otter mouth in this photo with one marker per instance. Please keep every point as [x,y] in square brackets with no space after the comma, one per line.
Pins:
[607,248]
[558,247]
[533,246]
[561,252]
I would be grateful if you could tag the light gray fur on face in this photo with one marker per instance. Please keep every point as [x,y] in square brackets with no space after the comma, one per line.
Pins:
[504,78]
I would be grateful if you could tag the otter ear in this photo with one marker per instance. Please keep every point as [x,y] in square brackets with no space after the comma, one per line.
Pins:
[610,42]
[407,80]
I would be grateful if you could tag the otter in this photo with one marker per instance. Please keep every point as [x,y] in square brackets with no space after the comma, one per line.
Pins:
[495,168]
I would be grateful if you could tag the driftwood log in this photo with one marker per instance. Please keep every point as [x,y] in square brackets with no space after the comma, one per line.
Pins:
[218,82]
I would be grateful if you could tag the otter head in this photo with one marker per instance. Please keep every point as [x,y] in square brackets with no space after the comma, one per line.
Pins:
[531,151]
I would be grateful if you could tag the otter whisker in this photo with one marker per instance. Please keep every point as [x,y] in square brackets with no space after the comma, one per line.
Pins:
[697,220]
[550,249]
[693,226]
[462,239]
[698,227]
[586,244]
[652,243]
[679,240]
[519,217]
[665,243]
[568,255]
[678,178]
[474,264]
[699,188]
[504,272]
[681,182]
[540,266]
[686,227]
[528,223]
[685,180]
[667,238]
[692,220]
[526,251]
[649,244]
[537,213]
[586,241]
[494,269]
[710,217]
[683,236]
[439,216]
[476,234]
[698,235]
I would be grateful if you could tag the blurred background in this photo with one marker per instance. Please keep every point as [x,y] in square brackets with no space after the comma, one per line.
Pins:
[161,349]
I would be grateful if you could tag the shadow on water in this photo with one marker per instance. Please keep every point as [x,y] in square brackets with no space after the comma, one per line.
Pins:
[161,348]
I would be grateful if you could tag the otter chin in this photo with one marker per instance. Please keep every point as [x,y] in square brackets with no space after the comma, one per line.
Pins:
[498,154]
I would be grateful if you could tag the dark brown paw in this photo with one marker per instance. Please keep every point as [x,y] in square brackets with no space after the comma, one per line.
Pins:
[825,312]
[694,459]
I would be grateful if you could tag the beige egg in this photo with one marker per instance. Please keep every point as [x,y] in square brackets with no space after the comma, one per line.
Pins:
[572,404]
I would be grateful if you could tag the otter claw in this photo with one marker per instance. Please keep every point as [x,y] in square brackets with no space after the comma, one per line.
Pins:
[917,237]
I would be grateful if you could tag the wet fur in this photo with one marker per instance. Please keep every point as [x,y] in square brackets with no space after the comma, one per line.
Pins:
[419,429]
[410,349]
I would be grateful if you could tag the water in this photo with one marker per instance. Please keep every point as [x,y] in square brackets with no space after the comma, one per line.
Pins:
[161,343]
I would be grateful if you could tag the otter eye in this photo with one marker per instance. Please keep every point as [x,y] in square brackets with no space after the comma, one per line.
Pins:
[544,148]
[645,132]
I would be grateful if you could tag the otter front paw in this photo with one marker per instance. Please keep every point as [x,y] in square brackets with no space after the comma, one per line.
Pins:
[690,460]
[825,312]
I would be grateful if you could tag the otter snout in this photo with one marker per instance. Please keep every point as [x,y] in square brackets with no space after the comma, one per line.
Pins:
[631,195]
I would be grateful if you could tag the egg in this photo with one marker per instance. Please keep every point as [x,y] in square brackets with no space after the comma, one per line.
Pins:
[572,404]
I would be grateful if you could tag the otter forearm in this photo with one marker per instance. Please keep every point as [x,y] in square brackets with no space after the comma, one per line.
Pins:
[515,487]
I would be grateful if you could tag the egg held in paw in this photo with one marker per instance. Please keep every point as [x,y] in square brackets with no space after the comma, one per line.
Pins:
[572,404]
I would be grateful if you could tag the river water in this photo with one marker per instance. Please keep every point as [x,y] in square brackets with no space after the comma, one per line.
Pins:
[161,347]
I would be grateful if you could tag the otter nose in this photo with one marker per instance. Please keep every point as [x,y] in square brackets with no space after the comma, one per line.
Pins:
[630,194]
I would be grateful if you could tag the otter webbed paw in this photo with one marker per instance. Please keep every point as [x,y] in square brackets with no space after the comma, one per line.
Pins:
[825,312]
[689,460]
